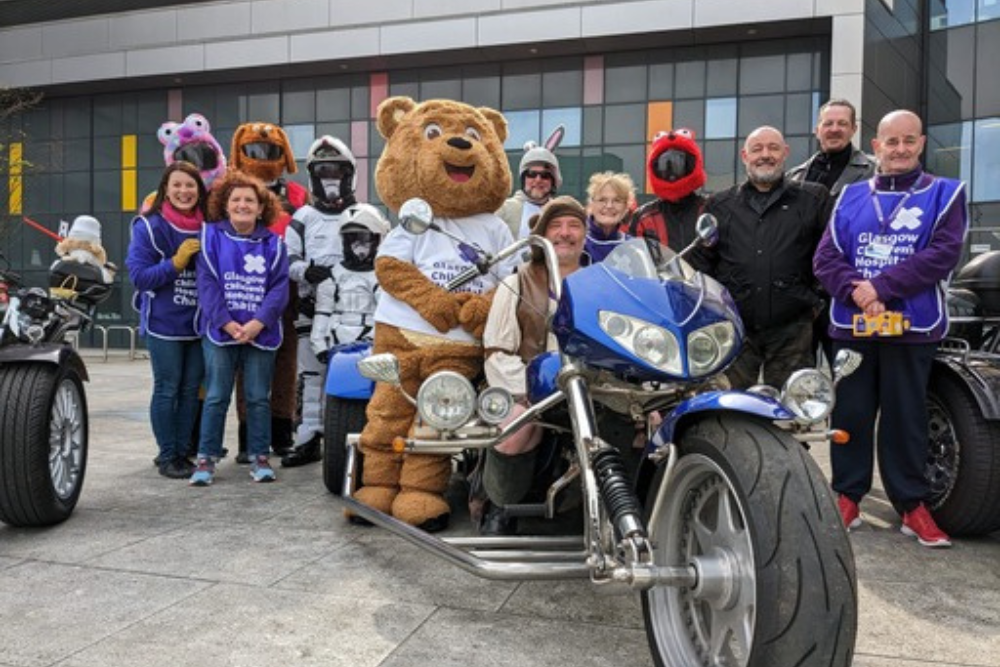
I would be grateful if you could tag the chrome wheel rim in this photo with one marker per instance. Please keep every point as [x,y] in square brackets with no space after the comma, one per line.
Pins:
[66,439]
[943,455]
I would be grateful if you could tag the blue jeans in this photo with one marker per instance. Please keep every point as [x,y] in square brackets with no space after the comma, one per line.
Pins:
[178,367]
[221,365]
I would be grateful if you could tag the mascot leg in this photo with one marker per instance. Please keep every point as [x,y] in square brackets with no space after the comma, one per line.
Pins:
[424,477]
[389,415]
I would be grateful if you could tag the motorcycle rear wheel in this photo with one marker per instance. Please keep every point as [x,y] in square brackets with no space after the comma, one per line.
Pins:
[749,508]
[44,437]
[341,416]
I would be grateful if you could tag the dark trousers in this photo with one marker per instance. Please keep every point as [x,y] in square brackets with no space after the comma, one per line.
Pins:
[780,350]
[890,385]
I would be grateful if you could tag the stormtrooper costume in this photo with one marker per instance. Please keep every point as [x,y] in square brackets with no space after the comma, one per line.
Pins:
[314,249]
[345,302]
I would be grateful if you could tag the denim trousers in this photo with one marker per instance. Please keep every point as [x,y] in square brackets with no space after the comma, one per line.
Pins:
[222,362]
[178,367]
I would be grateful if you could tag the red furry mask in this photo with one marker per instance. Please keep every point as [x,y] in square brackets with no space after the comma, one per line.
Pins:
[675,166]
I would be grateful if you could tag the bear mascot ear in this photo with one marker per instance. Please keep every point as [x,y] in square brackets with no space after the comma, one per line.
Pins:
[393,110]
[497,120]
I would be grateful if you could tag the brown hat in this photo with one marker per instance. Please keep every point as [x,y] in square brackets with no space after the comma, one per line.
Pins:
[557,207]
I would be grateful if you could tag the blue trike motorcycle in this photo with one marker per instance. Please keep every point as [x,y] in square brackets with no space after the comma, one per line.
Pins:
[728,529]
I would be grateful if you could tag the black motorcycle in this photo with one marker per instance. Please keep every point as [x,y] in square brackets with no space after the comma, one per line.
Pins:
[43,406]
[963,402]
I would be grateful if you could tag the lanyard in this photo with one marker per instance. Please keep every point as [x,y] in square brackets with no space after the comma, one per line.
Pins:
[882,220]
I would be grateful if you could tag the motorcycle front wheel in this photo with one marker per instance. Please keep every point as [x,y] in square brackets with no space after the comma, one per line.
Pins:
[43,443]
[749,509]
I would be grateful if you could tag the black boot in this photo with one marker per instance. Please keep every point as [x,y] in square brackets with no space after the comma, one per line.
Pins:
[300,455]
[242,456]
[496,523]
[282,438]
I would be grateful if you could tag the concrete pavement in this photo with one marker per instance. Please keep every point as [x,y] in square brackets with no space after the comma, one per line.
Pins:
[152,573]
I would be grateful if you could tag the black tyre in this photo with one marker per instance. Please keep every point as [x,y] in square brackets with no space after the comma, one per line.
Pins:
[43,443]
[751,511]
[963,464]
[342,416]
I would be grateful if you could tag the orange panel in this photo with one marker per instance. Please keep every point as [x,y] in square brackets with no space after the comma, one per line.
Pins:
[660,117]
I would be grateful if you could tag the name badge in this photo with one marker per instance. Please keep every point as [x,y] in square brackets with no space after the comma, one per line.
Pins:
[878,250]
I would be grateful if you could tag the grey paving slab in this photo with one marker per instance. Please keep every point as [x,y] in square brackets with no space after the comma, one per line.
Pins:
[940,624]
[453,638]
[578,602]
[8,562]
[224,552]
[244,625]
[89,534]
[383,567]
[51,611]
[877,661]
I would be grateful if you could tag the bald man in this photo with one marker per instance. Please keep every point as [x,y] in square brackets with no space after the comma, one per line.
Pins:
[769,228]
[891,247]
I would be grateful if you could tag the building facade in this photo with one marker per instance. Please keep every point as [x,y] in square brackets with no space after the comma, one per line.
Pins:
[612,72]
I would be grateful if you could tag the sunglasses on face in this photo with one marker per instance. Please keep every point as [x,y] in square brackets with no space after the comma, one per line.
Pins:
[532,173]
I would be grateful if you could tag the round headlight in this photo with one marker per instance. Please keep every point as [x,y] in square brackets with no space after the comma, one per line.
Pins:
[703,351]
[616,325]
[809,394]
[446,401]
[652,344]
[495,405]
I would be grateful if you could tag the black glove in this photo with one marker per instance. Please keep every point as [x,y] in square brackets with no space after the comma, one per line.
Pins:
[323,357]
[317,274]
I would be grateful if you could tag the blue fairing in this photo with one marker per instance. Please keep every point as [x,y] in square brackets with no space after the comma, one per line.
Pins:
[714,401]
[342,377]
[679,306]
[541,375]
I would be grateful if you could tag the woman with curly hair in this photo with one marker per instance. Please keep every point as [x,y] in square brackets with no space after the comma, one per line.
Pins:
[242,292]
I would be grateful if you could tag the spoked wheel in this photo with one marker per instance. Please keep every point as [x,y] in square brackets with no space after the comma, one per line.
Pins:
[752,514]
[43,443]
[963,464]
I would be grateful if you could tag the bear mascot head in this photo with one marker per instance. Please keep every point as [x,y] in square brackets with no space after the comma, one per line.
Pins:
[451,155]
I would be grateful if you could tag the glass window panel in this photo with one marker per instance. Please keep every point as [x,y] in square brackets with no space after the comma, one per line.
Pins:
[340,131]
[625,123]
[799,113]
[150,151]
[950,77]
[987,57]
[690,114]
[522,91]
[986,164]
[571,168]
[949,150]
[949,13]
[562,82]
[522,127]
[37,122]
[450,89]
[35,191]
[762,74]
[593,125]
[149,180]
[300,137]
[107,190]
[360,102]
[77,192]
[720,118]
[407,88]
[721,77]
[625,84]
[107,152]
[375,143]
[571,119]
[799,72]
[799,150]
[202,99]
[481,87]
[720,164]
[690,79]
[298,106]
[76,154]
[757,111]
[333,104]
[661,81]
[77,118]
[630,159]
[107,116]
[989,9]
[151,112]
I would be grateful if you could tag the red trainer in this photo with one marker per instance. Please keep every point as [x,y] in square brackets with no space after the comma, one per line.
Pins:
[849,512]
[920,524]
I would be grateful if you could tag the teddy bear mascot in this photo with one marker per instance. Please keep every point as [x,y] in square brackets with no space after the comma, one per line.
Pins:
[451,155]
[676,171]
[263,150]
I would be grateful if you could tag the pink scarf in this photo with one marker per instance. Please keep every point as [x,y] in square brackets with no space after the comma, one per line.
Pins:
[189,221]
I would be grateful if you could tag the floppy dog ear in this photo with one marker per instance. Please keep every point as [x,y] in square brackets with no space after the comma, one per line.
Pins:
[235,154]
[290,165]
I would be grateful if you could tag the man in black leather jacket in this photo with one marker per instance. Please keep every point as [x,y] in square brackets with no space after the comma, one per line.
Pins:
[769,228]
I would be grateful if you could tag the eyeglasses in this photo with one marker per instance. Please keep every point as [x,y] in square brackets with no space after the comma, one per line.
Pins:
[604,201]
[532,173]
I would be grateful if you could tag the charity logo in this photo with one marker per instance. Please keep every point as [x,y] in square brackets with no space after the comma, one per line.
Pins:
[908,218]
[253,263]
